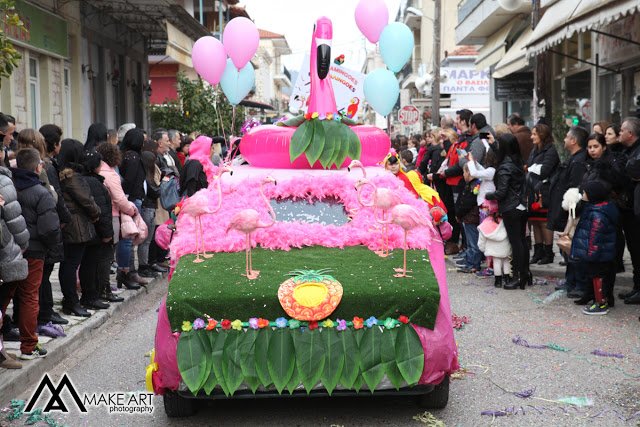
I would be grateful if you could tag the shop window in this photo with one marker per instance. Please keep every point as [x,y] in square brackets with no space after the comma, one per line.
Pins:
[67,100]
[34,92]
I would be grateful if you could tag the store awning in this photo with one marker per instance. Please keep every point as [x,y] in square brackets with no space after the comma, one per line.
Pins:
[494,47]
[564,18]
[516,57]
[179,46]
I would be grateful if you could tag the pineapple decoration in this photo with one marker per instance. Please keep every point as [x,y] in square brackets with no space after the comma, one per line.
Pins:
[310,294]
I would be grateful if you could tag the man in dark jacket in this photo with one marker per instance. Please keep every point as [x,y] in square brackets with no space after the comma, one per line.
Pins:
[522,134]
[630,138]
[569,175]
[174,144]
[39,211]
[453,176]
[478,146]
[52,136]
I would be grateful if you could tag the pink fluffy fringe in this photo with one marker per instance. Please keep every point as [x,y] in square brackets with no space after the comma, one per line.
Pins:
[361,230]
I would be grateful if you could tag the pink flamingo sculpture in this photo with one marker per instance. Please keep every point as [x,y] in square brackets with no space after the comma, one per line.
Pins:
[198,205]
[267,146]
[248,221]
[383,198]
[408,218]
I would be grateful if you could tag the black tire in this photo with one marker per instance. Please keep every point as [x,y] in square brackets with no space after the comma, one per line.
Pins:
[438,398]
[176,406]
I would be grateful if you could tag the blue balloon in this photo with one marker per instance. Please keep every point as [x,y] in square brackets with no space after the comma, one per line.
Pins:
[236,85]
[381,89]
[396,45]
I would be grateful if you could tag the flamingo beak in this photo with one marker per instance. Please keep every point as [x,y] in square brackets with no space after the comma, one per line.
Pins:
[324,57]
[274,182]
[348,168]
[230,172]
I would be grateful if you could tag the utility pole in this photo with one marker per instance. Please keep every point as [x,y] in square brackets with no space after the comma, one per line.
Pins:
[541,78]
[435,93]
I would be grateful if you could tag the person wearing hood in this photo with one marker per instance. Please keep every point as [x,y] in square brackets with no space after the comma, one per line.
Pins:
[509,181]
[198,171]
[39,211]
[81,230]
[594,243]
[14,238]
[98,255]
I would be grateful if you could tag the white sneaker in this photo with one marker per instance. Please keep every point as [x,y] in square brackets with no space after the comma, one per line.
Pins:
[35,354]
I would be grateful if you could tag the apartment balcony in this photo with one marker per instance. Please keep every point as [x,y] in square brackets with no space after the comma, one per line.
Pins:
[479,19]
[283,77]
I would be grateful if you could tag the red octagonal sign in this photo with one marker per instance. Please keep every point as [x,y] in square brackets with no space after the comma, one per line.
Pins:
[408,115]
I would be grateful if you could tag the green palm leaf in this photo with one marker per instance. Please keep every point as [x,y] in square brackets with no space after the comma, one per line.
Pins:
[355,147]
[314,149]
[281,358]
[260,354]
[350,367]
[344,145]
[370,359]
[191,360]
[310,352]
[388,357]
[209,381]
[409,354]
[301,139]
[231,357]
[334,359]
[331,136]
[217,346]
[294,381]
[248,362]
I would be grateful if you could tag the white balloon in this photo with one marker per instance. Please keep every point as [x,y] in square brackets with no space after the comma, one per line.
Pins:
[510,5]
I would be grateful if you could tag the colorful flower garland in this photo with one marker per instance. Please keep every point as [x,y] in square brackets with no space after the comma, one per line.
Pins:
[281,322]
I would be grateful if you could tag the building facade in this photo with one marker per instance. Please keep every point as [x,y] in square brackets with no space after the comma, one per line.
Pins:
[86,62]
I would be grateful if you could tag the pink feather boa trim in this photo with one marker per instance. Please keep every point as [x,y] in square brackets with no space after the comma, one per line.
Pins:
[361,230]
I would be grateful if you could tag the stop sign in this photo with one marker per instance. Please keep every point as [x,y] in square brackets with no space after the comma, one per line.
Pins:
[408,115]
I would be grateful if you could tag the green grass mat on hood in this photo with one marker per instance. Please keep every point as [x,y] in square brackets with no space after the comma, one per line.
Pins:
[216,288]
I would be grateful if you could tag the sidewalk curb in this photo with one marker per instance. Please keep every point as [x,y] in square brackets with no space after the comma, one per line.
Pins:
[60,348]
[556,270]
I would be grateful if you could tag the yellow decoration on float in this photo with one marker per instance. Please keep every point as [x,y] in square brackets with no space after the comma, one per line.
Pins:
[310,295]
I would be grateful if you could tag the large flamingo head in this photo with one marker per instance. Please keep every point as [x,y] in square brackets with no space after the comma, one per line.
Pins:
[361,181]
[225,168]
[356,164]
[267,179]
[322,36]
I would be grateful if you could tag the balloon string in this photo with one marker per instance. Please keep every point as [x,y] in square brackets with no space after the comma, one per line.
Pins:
[221,122]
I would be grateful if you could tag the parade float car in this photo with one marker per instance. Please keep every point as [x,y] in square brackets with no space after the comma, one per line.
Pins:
[295,289]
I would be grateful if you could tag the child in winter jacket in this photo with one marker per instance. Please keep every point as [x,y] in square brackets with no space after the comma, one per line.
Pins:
[467,213]
[39,211]
[494,242]
[594,242]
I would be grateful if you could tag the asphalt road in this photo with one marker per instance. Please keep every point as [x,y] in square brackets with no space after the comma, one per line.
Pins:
[115,361]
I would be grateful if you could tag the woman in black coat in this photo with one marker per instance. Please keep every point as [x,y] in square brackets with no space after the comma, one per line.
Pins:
[541,165]
[80,231]
[607,165]
[510,181]
[98,255]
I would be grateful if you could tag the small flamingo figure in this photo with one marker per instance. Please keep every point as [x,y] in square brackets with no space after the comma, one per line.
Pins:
[383,198]
[408,218]
[198,205]
[248,221]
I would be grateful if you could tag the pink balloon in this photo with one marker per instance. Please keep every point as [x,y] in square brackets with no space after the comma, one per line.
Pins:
[241,40]
[209,59]
[371,18]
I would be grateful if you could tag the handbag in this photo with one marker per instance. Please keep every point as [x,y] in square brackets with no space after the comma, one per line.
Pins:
[133,228]
[565,241]
[169,195]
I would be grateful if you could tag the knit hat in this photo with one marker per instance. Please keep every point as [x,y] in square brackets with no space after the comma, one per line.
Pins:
[596,191]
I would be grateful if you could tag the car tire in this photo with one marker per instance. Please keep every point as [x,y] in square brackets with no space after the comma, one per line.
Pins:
[176,406]
[438,398]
